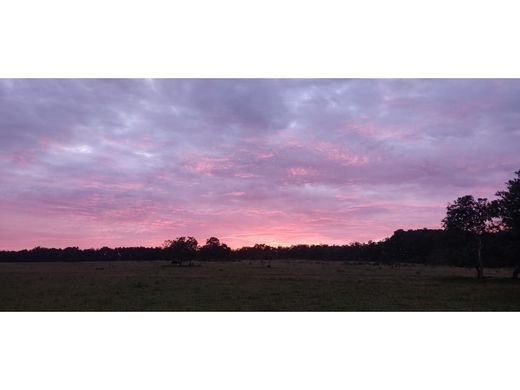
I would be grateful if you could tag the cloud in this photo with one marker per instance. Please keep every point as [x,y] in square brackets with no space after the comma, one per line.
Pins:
[127,162]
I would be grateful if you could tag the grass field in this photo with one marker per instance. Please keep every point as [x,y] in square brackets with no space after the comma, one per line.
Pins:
[252,286]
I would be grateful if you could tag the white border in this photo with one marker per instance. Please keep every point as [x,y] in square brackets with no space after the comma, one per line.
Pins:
[236,38]
[258,351]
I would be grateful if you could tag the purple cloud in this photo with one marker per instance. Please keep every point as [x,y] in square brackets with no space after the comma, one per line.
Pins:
[128,162]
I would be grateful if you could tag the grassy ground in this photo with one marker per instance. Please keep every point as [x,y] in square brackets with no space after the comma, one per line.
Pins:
[253,286]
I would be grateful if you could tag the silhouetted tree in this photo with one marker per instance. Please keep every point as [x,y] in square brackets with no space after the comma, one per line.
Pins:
[473,217]
[214,250]
[508,209]
[181,249]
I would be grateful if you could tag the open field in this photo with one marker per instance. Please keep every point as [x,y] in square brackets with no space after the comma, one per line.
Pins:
[253,286]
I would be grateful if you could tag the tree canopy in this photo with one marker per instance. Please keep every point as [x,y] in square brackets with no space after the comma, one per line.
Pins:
[508,204]
[468,215]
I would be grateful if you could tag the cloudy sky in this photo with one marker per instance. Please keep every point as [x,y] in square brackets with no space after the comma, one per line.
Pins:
[134,162]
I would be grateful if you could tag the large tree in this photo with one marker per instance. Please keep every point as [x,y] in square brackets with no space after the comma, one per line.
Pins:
[181,249]
[508,209]
[215,250]
[473,217]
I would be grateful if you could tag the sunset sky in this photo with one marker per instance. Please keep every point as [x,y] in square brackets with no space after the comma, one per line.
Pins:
[135,162]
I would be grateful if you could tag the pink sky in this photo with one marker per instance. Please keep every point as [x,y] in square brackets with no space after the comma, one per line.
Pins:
[135,162]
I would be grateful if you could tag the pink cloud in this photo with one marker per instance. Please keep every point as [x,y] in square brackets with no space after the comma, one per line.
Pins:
[300,171]
[20,159]
[208,166]
[341,155]
[131,162]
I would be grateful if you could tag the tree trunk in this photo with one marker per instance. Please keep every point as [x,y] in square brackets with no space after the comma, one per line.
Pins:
[480,264]
[516,272]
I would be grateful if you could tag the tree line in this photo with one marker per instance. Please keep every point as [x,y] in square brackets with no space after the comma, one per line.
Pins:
[476,233]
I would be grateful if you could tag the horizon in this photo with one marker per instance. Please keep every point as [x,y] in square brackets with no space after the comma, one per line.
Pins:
[93,163]
[202,242]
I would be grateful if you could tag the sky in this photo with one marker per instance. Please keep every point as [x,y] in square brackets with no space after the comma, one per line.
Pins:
[128,162]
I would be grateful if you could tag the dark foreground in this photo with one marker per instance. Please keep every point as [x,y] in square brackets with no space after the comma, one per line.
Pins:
[252,286]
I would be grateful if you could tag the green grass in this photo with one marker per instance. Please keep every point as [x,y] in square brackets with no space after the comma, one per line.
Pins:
[252,286]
